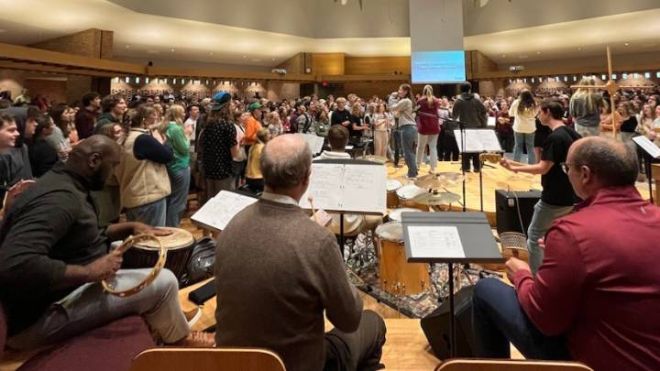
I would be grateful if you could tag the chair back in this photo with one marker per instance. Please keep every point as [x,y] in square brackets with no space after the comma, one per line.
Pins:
[509,365]
[207,359]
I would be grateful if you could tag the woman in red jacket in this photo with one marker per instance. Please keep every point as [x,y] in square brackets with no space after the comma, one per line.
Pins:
[428,127]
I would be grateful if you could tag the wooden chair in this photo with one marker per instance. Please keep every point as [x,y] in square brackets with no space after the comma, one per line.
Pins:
[207,359]
[509,365]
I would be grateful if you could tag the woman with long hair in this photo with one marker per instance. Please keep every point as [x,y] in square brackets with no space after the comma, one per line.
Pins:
[401,106]
[523,110]
[179,168]
[381,122]
[628,121]
[585,106]
[219,146]
[142,173]
[428,127]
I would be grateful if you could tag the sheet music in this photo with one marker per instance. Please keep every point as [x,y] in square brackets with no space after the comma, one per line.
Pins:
[478,140]
[314,142]
[218,211]
[435,242]
[491,122]
[647,146]
[347,187]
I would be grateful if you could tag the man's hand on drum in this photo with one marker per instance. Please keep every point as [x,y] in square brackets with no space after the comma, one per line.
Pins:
[104,267]
[141,228]
[514,265]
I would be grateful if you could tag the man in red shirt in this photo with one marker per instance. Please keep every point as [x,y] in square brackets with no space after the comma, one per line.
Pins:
[596,297]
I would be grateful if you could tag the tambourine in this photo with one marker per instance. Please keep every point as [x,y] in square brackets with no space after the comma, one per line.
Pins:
[160,263]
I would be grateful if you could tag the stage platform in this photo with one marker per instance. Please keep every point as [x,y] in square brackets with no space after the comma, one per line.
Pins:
[494,177]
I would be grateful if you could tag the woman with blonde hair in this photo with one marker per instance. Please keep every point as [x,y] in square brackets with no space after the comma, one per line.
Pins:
[428,126]
[382,126]
[523,110]
[179,168]
[585,106]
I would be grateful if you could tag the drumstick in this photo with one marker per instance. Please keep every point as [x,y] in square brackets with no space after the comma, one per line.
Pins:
[311,203]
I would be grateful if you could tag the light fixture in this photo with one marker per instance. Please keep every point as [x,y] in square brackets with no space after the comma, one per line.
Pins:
[146,80]
[604,77]
[533,80]
[614,76]
[574,78]
[647,75]
[624,76]
[174,81]
[626,44]
[128,80]
[565,78]
[137,79]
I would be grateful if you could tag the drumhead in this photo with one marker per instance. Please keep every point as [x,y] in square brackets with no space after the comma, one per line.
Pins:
[393,185]
[409,191]
[395,215]
[126,279]
[179,238]
[390,231]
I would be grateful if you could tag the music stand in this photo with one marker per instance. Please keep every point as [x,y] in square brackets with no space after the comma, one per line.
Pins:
[476,245]
[651,152]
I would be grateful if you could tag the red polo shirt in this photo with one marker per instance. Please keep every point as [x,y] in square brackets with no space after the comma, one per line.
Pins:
[599,283]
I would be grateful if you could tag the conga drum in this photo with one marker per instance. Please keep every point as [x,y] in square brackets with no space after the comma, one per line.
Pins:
[392,199]
[179,246]
[397,276]
[407,194]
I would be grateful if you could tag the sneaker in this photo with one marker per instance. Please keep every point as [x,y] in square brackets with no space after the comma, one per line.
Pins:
[193,316]
[198,339]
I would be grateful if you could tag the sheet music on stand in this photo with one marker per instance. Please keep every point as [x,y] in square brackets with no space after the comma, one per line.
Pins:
[347,186]
[478,141]
[314,142]
[648,146]
[219,210]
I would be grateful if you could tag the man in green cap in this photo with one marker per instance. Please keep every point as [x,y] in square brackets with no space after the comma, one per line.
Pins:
[252,125]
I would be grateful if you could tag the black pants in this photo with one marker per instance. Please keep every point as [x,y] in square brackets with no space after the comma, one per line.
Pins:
[256,186]
[506,141]
[475,161]
[449,148]
[359,350]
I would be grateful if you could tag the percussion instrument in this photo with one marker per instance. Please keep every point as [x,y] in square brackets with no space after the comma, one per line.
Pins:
[111,285]
[514,244]
[437,198]
[406,195]
[395,215]
[397,276]
[392,199]
[179,245]
[439,180]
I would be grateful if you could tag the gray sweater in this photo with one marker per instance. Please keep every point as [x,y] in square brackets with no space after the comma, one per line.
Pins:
[276,272]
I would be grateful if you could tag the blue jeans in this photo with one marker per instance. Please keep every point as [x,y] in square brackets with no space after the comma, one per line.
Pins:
[527,140]
[544,215]
[408,139]
[498,319]
[177,200]
[153,214]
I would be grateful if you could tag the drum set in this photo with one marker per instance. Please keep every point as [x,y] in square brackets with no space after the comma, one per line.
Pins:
[427,193]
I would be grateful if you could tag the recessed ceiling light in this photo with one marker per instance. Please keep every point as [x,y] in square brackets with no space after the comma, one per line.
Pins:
[245,56]
[210,53]
[626,44]
[538,52]
[128,46]
[580,48]
[172,50]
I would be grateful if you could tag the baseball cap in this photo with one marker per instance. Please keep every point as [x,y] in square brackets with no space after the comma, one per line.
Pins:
[254,106]
[220,99]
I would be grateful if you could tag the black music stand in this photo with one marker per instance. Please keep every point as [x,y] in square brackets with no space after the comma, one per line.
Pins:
[476,238]
[651,152]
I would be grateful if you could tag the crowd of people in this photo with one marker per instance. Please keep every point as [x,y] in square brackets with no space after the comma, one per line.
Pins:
[140,157]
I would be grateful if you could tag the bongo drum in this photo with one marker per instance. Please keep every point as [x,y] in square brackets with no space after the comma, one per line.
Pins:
[407,194]
[179,246]
[392,199]
[397,276]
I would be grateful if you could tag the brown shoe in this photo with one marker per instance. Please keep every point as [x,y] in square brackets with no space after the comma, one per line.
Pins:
[198,339]
[193,316]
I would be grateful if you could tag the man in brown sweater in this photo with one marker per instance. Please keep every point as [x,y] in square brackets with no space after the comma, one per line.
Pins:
[274,282]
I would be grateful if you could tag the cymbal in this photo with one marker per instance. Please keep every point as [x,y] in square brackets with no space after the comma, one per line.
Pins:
[438,180]
[440,198]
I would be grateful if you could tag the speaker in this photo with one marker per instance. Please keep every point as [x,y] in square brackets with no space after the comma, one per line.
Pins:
[507,206]
[436,326]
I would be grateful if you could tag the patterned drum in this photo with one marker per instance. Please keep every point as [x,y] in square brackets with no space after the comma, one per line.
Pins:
[179,246]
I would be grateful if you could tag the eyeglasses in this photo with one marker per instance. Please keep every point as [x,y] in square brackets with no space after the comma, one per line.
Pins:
[565,166]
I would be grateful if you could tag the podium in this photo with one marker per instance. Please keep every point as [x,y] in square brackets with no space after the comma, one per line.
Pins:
[449,237]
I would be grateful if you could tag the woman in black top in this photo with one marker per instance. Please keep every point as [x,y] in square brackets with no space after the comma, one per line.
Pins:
[42,155]
[357,126]
[219,146]
[628,123]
